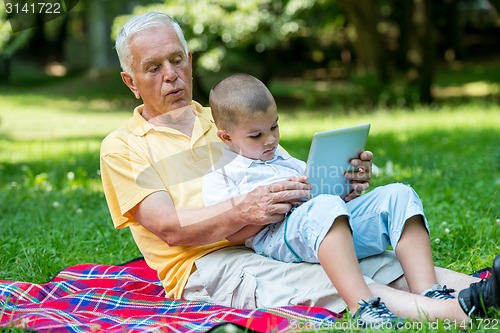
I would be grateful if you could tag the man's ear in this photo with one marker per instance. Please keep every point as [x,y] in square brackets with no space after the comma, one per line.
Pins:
[129,81]
[224,136]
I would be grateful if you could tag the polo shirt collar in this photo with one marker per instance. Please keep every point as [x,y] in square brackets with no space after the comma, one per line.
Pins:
[140,126]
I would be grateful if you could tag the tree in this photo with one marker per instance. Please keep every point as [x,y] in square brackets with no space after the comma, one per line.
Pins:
[9,44]
[391,43]
[214,26]
[420,52]
[365,16]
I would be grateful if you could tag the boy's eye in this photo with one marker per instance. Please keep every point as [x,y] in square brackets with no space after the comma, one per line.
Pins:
[254,136]
[274,127]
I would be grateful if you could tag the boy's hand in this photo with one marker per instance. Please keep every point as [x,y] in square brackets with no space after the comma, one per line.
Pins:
[361,176]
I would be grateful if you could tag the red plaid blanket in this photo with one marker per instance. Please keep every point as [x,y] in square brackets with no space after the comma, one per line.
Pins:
[129,298]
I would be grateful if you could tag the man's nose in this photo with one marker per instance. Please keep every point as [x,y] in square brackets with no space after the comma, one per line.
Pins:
[169,72]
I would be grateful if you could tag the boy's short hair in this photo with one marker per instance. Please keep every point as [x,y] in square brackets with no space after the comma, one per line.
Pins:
[238,96]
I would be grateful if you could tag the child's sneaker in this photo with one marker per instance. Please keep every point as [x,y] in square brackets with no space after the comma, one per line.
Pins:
[439,292]
[374,314]
[484,295]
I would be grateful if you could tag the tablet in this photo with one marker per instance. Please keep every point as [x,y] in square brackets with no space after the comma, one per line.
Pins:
[329,158]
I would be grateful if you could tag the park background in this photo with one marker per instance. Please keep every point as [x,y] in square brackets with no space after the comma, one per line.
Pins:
[425,74]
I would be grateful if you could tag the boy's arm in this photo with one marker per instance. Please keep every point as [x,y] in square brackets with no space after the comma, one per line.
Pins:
[218,187]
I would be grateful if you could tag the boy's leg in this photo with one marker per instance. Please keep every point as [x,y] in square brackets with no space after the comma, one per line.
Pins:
[319,231]
[413,306]
[338,258]
[455,280]
[238,277]
[392,215]
[298,237]
[479,299]
[415,255]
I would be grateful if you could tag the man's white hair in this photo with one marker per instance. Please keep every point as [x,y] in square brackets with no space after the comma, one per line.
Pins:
[137,25]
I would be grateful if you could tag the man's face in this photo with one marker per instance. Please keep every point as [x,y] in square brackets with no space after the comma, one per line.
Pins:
[162,72]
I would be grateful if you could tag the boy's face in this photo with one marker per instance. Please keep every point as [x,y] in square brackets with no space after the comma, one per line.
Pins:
[256,137]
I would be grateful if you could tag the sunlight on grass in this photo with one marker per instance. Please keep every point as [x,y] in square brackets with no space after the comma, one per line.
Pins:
[472,89]
[402,122]
[41,119]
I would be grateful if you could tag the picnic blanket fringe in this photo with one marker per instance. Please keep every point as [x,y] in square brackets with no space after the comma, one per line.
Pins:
[130,298]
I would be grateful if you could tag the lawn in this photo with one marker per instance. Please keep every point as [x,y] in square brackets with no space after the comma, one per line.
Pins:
[54,212]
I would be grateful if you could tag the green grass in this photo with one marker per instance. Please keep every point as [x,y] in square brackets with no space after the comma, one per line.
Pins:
[54,213]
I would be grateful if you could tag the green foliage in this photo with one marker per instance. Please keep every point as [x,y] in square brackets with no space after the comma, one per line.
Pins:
[5,30]
[10,42]
[211,27]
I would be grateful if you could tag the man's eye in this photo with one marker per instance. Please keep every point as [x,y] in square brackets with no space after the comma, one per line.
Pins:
[177,60]
[153,69]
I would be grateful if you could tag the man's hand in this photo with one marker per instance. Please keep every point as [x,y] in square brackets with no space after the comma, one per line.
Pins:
[269,203]
[361,176]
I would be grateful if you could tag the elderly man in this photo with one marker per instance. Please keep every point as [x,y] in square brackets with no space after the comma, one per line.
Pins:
[151,172]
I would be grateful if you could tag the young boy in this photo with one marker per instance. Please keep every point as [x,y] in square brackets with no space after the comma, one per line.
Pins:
[325,229]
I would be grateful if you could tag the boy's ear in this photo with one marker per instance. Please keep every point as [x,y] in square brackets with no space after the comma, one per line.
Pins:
[223,135]
[129,81]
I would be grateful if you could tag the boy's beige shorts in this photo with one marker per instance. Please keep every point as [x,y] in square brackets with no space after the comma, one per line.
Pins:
[238,277]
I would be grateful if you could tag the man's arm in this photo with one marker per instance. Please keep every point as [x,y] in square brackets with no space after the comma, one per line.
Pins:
[245,233]
[264,205]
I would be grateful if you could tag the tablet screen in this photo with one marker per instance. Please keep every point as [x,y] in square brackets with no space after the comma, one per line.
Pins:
[329,158]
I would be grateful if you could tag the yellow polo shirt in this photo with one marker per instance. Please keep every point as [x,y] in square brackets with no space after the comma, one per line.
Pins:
[140,159]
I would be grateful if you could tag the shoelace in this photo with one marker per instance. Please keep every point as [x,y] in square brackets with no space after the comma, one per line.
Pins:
[377,308]
[447,290]
[382,316]
[441,292]
[382,310]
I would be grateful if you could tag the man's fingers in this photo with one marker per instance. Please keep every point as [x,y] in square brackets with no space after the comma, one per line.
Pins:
[291,196]
[279,210]
[287,185]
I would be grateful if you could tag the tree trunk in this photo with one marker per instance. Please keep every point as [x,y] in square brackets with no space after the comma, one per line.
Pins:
[420,55]
[5,69]
[99,32]
[405,28]
[454,27]
[364,15]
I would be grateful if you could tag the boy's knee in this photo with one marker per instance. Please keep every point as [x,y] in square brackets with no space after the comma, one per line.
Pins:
[400,190]
[327,200]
